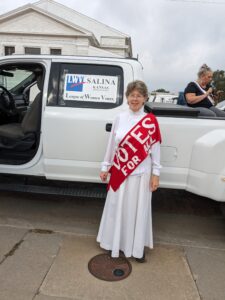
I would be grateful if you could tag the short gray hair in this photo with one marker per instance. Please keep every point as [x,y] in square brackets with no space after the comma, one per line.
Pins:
[203,70]
[137,85]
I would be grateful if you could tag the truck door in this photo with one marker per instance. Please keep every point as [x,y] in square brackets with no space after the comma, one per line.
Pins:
[83,100]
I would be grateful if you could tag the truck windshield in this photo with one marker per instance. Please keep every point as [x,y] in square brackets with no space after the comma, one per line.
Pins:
[11,79]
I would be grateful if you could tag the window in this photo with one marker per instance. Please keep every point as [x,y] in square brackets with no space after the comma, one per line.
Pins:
[86,85]
[9,50]
[55,51]
[16,77]
[2,80]
[31,50]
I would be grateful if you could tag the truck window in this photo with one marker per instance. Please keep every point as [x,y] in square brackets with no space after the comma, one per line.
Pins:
[86,85]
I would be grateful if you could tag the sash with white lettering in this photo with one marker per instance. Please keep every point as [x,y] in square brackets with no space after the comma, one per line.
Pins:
[204,92]
[133,149]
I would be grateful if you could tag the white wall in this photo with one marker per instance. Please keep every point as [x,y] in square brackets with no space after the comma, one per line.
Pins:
[69,46]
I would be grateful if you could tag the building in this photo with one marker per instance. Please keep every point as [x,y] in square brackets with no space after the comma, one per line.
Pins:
[163,97]
[47,27]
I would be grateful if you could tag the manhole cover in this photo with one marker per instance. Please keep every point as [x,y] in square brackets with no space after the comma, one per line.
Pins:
[108,268]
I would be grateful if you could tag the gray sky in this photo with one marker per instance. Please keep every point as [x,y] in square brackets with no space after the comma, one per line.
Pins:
[172,38]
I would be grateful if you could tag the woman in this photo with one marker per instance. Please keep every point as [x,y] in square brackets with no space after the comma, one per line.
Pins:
[199,94]
[126,222]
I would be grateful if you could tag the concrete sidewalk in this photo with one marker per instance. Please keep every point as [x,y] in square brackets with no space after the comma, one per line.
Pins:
[50,266]
[43,265]
[166,275]
[45,248]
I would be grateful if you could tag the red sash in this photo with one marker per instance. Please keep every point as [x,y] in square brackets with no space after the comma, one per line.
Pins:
[133,149]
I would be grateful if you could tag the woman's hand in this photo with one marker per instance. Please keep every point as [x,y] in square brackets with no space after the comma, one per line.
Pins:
[103,176]
[154,182]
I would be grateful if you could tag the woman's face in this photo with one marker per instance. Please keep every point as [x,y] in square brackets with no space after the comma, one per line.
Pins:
[136,100]
[207,77]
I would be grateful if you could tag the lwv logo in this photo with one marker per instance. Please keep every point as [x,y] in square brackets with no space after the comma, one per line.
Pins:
[74,83]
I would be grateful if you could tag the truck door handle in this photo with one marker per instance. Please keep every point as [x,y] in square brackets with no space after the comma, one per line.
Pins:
[108,127]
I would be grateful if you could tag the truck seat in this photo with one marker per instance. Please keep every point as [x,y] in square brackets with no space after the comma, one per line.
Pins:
[22,136]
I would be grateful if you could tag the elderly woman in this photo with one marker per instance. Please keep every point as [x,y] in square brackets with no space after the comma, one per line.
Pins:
[199,94]
[133,160]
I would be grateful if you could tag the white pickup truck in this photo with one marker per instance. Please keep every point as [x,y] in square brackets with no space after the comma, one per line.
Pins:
[55,116]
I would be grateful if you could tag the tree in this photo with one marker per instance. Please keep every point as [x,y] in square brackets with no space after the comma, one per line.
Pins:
[160,91]
[219,83]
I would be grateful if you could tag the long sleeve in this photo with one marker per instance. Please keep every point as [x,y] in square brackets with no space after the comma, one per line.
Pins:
[155,155]
[110,150]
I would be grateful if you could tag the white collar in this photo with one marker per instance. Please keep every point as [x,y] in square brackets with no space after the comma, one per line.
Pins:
[137,113]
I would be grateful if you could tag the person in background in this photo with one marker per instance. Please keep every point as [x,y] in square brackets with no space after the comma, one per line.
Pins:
[133,160]
[199,94]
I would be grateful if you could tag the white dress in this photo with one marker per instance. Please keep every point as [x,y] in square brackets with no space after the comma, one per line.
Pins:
[126,222]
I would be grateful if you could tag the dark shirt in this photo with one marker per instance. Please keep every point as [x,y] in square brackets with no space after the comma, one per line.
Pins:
[194,89]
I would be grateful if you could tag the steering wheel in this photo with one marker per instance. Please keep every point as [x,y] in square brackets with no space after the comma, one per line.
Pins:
[7,103]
